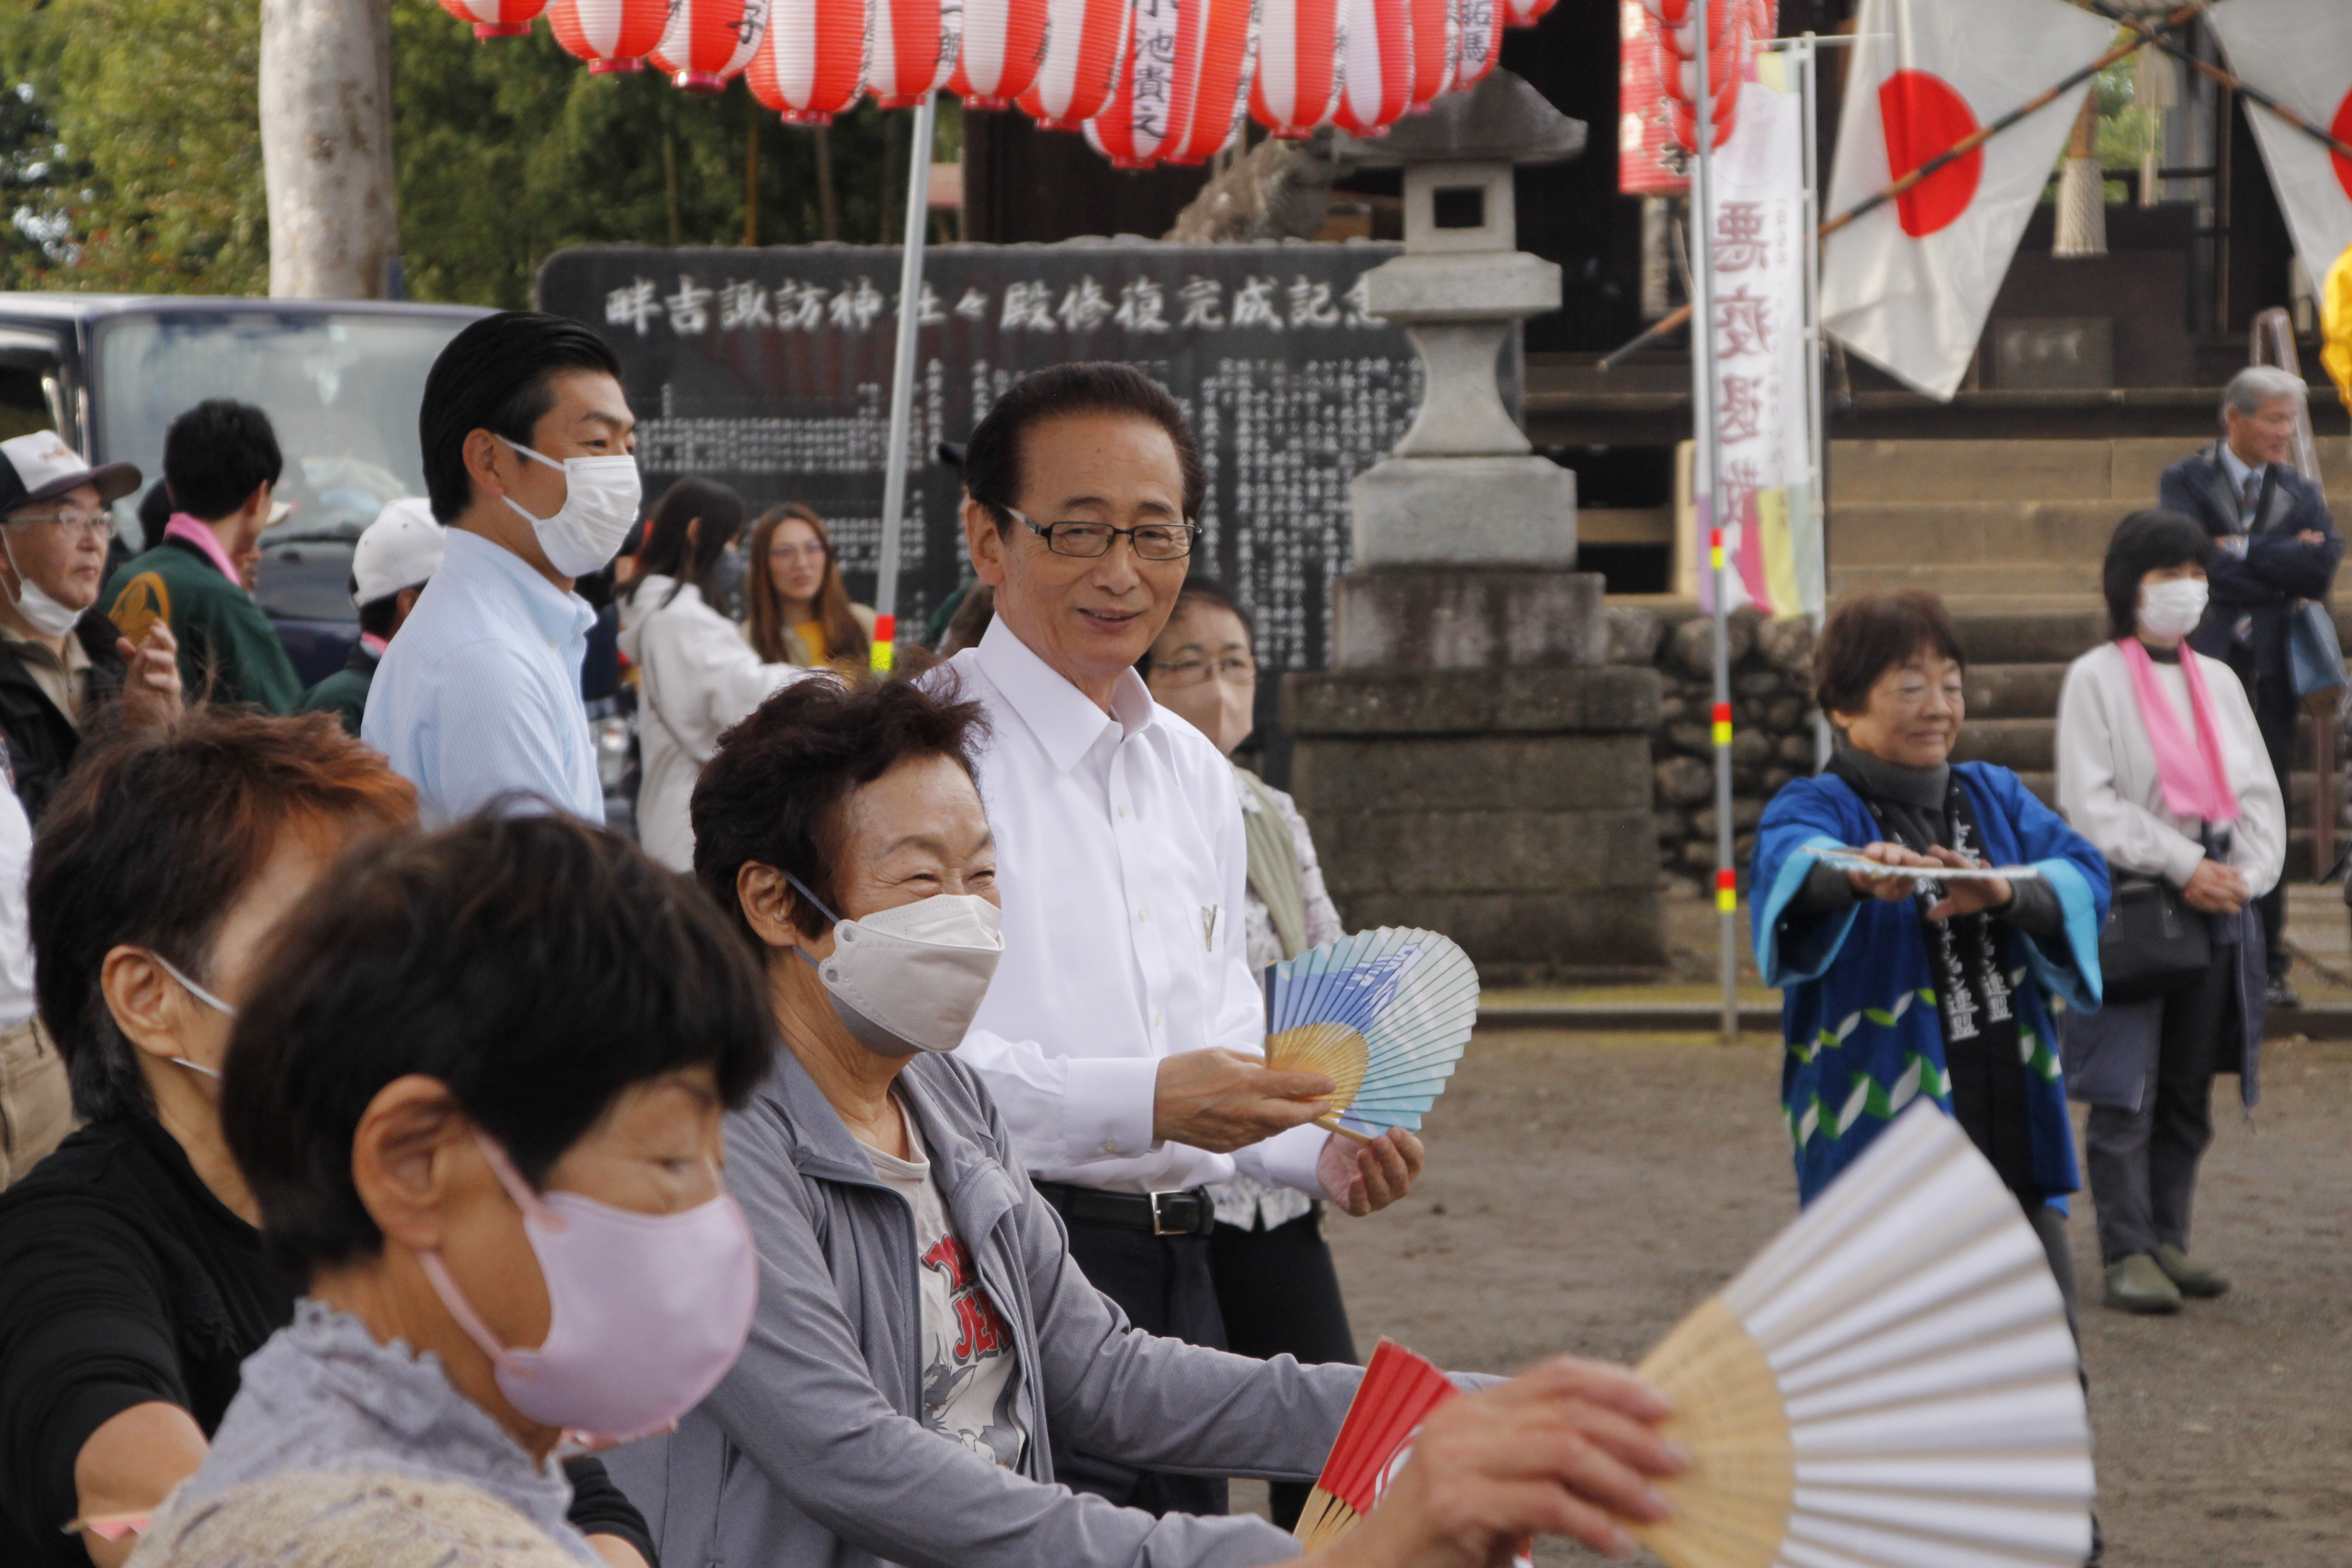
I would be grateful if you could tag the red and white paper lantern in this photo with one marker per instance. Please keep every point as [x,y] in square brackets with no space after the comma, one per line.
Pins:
[708,43]
[1376,65]
[810,63]
[1220,56]
[610,34]
[1675,24]
[1526,13]
[1086,40]
[1144,113]
[915,46]
[1003,41]
[1481,47]
[1300,47]
[495,18]
[1436,45]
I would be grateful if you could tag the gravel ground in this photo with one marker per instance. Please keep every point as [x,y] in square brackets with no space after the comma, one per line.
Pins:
[1584,1192]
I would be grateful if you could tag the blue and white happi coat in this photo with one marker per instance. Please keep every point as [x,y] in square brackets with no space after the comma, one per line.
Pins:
[1858,999]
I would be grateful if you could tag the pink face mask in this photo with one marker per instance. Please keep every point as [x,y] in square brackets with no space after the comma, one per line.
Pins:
[647,1311]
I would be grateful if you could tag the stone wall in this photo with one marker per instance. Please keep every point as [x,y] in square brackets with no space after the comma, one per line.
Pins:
[1772,725]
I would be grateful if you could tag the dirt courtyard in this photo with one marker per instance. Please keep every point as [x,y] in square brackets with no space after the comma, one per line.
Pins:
[1584,1192]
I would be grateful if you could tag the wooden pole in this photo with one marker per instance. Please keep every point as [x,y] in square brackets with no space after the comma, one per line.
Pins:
[828,216]
[751,183]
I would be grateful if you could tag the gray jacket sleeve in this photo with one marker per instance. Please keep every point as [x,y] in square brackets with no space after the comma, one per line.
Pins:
[799,1405]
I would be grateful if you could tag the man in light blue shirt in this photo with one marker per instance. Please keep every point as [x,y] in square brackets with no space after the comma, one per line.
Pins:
[528,443]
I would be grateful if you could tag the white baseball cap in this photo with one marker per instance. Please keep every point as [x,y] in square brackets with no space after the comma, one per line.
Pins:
[399,550]
[40,466]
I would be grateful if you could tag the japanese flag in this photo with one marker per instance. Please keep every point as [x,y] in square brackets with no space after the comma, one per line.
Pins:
[1908,285]
[2299,52]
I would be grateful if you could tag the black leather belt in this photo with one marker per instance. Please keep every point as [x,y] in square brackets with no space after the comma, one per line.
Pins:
[1191,1212]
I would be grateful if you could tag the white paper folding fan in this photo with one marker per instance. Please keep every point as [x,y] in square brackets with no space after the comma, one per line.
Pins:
[1384,1014]
[1891,1383]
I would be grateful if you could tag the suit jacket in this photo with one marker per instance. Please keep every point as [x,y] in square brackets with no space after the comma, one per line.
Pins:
[2275,569]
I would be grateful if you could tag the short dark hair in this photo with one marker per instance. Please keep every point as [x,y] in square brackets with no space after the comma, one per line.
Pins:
[1206,591]
[536,967]
[378,616]
[772,793]
[1870,634]
[991,461]
[668,553]
[496,375]
[217,454]
[2149,541]
[150,843]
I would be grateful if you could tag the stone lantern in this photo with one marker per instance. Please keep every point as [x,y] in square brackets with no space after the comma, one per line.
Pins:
[1469,763]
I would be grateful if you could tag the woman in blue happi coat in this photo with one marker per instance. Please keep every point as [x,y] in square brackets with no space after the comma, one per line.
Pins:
[1894,987]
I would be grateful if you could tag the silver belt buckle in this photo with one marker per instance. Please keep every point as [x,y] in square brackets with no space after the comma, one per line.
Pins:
[1161,1226]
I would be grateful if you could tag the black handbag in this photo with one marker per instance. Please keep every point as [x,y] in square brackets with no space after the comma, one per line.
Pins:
[2153,943]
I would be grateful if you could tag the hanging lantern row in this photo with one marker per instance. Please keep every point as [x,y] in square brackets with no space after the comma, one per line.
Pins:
[1148,81]
[1732,28]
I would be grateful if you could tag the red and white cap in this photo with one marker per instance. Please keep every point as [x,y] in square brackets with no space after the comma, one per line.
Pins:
[40,466]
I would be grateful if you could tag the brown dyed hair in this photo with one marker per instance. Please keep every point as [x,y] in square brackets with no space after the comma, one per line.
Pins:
[153,840]
[842,634]
[773,794]
[1870,634]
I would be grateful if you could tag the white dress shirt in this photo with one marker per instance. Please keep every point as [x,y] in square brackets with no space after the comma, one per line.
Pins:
[1121,865]
[479,697]
[2110,793]
[696,678]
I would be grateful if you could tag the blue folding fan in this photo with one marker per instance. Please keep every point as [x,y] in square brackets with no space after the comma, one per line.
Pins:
[1383,1014]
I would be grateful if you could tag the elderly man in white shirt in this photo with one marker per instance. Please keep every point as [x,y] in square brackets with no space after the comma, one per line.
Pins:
[527,456]
[1123,1035]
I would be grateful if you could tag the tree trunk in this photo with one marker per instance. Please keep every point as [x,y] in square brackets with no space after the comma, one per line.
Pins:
[326,141]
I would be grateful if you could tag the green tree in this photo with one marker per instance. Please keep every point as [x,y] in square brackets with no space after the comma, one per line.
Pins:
[157,182]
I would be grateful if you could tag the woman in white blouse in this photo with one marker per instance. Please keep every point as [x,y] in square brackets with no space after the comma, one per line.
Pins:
[2161,765]
[1276,1282]
[696,676]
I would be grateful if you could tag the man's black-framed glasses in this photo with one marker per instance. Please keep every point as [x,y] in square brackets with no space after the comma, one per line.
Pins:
[1150,540]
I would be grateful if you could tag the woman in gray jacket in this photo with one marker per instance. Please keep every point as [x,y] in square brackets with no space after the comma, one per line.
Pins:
[921,1329]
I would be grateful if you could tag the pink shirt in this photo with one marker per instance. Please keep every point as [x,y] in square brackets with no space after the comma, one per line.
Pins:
[201,535]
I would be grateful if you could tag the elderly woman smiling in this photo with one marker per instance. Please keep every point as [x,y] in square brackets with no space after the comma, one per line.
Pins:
[1895,986]
[922,1333]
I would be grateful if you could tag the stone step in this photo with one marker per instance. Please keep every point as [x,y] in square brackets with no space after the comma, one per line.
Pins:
[2044,787]
[2007,537]
[2022,745]
[2077,580]
[2056,633]
[2012,691]
[2117,472]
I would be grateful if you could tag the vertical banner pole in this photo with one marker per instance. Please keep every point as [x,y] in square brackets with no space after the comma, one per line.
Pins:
[902,385]
[1816,567]
[1707,481]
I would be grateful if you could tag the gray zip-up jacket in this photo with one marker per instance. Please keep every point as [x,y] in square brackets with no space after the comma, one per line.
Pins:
[813,1453]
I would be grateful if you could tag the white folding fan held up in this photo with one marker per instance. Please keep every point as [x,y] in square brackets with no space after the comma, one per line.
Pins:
[1891,1383]
[1383,1014]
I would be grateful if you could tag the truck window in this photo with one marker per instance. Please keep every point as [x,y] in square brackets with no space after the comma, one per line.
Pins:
[32,393]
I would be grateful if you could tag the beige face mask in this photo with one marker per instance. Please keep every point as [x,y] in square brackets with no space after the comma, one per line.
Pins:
[1217,707]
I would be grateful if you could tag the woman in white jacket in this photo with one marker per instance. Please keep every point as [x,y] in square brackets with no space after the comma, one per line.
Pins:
[2161,765]
[696,675]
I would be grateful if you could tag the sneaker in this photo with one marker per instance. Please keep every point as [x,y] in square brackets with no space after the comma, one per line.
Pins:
[2279,994]
[2137,1284]
[2192,1278]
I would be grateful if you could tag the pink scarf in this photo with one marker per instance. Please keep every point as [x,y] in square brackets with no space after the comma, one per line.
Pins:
[2196,783]
[183,527]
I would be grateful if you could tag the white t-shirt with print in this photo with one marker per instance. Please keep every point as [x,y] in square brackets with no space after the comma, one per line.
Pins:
[969,1359]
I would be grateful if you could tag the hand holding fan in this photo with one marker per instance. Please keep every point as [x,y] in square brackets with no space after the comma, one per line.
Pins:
[1383,1014]
[1890,1383]
[1851,861]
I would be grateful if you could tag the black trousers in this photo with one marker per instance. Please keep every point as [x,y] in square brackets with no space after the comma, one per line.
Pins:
[1164,1285]
[1280,1296]
[2143,1164]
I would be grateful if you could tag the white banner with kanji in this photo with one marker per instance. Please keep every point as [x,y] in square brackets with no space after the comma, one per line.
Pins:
[2299,52]
[1756,257]
[1908,286]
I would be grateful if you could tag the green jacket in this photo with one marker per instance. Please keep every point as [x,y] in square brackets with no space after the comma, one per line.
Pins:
[344,693]
[229,652]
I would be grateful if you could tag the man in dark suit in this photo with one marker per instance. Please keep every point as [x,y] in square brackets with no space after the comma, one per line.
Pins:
[2274,544]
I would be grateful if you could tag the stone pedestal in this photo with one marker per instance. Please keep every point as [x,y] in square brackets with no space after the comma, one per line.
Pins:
[1470,763]
[1508,808]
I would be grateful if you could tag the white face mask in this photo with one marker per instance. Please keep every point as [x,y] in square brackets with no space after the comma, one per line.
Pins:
[42,613]
[911,978]
[600,507]
[2171,610]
